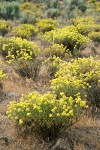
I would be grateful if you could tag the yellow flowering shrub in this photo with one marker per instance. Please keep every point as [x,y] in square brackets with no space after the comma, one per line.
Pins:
[44,25]
[75,76]
[83,20]
[97,7]
[35,8]
[2,75]
[46,111]
[18,48]
[24,31]
[86,25]
[56,49]
[68,36]
[5,26]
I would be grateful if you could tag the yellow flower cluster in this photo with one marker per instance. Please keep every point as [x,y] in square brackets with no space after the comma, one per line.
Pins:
[56,49]
[72,77]
[44,25]
[86,25]
[68,36]
[2,75]
[34,9]
[24,31]
[46,110]
[5,26]
[18,48]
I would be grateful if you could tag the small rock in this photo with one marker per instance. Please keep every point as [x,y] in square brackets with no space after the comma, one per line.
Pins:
[12,95]
[60,145]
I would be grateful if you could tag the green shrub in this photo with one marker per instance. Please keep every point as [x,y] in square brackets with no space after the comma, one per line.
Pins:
[28,17]
[29,68]
[52,13]
[9,10]
[93,96]
[68,36]
[53,4]
[45,112]
[17,48]
[24,31]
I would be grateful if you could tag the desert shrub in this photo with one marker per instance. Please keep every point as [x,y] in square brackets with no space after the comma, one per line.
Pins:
[53,12]
[28,17]
[5,26]
[44,25]
[68,36]
[24,31]
[85,25]
[2,75]
[93,96]
[95,36]
[56,49]
[53,4]
[83,20]
[33,8]
[74,8]
[17,48]
[76,76]
[45,112]
[79,4]
[52,65]
[29,68]
[9,10]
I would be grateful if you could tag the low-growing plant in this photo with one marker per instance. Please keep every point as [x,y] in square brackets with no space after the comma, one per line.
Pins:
[24,31]
[33,8]
[5,26]
[28,17]
[53,12]
[29,68]
[18,48]
[46,112]
[68,36]
[86,25]
[56,49]
[44,25]
[52,65]
[93,96]
[76,76]
[9,10]
[2,75]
